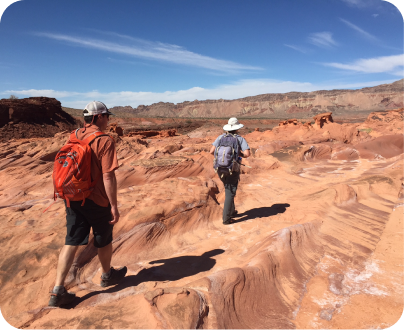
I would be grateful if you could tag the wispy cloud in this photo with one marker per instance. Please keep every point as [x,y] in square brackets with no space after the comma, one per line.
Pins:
[238,89]
[362,3]
[386,64]
[377,4]
[322,39]
[299,49]
[357,3]
[155,51]
[362,32]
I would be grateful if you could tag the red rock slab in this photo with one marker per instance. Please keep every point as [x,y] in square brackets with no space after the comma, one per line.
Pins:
[385,146]
[314,153]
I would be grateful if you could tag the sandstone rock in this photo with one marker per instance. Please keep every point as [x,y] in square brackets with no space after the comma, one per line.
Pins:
[323,118]
[387,146]
[114,128]
[165,133]
[315,152]
[289,122]
[171,148]
[385,116]
[180,308]
[4,114]
[316,243]
[33,117]
[274,146]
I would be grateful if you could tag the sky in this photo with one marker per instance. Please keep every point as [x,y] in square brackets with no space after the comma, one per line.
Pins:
[130,52]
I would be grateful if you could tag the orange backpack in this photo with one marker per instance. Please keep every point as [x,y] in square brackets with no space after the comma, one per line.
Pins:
[72,169]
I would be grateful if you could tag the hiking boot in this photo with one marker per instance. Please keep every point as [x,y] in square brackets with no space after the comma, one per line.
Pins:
[115,276]
[58,299]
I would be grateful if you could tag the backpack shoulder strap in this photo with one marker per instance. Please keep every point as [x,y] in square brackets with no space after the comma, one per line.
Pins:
[89,139]
[233,135]
[73,137]
[220,140]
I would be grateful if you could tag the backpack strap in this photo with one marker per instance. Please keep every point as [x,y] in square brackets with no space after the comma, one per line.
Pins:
[89,139]
[217,152]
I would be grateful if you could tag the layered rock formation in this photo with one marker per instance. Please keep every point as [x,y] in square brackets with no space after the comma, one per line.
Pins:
[33,117]
[317,242]
[114,128]
[287,105]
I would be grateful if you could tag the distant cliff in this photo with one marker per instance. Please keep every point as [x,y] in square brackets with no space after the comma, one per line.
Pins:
[293,104]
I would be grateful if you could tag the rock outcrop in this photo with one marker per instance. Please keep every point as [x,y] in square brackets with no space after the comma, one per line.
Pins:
[144,134]
[323,118]
[288,122]
[33,117]
[114,128]
[4,115]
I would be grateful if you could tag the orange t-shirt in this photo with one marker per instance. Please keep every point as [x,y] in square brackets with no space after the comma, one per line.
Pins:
[103,160]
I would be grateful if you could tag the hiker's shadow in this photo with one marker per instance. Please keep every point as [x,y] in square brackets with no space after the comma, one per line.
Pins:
[172,269]
[261,212]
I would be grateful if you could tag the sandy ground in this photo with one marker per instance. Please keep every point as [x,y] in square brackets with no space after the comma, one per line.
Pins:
[317,243]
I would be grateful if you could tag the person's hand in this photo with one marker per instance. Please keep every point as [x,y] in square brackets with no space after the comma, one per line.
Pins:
[115,215]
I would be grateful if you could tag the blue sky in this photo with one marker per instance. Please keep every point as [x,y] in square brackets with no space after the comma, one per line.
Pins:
[142,52]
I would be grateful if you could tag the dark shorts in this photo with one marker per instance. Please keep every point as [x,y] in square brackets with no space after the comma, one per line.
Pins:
[80,219]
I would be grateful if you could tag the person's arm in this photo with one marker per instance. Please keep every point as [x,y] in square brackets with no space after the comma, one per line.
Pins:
[212,150]
[245,148]
[245,153]
[111,190]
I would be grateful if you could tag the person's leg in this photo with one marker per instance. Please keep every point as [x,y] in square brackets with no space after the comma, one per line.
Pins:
[227,198]
[77,234]
[66,258]
[228,203]
[102,230]
[233,207]
[59,295]
[230,185]
[105,255]
[110,275]
[233,183]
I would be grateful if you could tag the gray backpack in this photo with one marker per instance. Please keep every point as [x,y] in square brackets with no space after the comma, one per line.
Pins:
[226,155]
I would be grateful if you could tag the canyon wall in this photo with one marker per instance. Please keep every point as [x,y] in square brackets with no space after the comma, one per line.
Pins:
[286,105]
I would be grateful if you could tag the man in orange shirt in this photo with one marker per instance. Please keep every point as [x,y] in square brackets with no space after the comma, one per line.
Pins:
[99,212]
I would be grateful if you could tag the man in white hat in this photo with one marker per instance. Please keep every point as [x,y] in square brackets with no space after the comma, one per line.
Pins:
[99,212]
[230,175]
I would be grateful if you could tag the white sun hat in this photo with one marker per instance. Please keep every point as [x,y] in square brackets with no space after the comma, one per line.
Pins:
[95,108]
[232,125]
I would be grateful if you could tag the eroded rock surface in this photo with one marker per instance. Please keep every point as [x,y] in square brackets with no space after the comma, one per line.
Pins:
[317,242]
